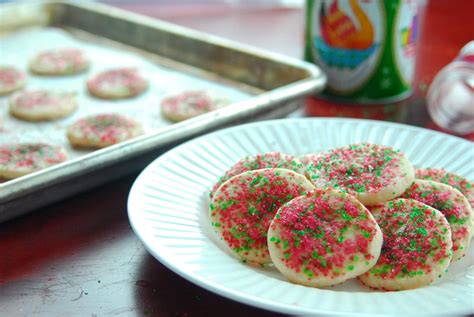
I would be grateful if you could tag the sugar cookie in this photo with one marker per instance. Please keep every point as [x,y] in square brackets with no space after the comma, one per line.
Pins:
[452,204]
[323,238]
[438,175]
[187,105]
[372,173]
[19,159]
[243,207]
[59,62]
[98,131]
[265,160]
[41,105]
[416,246]
[117,84]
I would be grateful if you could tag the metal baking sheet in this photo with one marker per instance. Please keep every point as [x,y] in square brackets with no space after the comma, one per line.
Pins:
[20,46]
[258,85]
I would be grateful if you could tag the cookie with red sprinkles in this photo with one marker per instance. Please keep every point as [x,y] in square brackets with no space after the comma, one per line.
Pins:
[18,159]
[243,207]
[416,247]
[372,173]
[261,160]
[101,130]
[439,175]
[117,84]
[59,62]
[42,105]
[11,79]
[187,105]
[452,204]
[323,238]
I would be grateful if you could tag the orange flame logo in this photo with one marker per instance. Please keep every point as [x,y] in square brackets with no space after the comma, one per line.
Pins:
[339,31]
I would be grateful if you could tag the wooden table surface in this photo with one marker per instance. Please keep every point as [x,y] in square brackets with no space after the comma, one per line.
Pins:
[79,257]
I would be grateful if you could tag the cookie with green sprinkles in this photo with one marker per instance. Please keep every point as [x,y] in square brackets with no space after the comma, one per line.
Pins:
[439,175]
[18,159]
[372,173]
[452,204]
[261,160]
[189,104]
[117,83]
[42,105]
[101,130]
[243,207]
[59,62]
[416,249]
[323,238]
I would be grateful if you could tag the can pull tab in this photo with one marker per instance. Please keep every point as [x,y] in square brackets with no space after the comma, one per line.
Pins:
[450,98]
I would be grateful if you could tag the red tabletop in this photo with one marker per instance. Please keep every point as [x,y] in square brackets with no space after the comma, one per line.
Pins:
[79,257]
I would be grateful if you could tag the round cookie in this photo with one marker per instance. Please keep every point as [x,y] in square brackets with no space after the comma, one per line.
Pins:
[259,161]
[59,62]
[451,179]
[42,105]
[19,159]
[416,246]
[187,105]
[243,207]
[323,238]
[102,130]
[452,204]
[117,84]
[372,173]
[11,79]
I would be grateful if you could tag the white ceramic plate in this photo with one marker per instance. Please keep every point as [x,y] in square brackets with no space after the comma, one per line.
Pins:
[168,209]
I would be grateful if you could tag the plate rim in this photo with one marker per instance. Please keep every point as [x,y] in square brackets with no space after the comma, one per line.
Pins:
[225,291]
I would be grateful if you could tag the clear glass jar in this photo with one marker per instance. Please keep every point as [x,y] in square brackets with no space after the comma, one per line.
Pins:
[450,98]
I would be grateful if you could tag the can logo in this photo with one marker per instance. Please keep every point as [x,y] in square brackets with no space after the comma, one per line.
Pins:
[347,40]
[365,47]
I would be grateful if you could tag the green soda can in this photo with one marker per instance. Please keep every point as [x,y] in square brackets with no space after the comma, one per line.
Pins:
[365,47]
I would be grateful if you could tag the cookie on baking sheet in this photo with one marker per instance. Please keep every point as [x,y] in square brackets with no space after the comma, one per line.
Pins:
[18,159]
[372,173]
[416,246]
[42,105]
[188,104]
[102,130]
[11,79]
[259,161]
[59,62]
[439,175]
[117,83]
[452,204]
[323,238]
[243,207]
